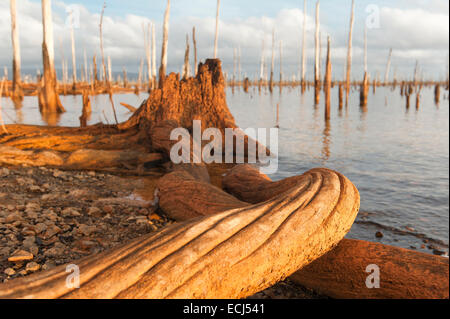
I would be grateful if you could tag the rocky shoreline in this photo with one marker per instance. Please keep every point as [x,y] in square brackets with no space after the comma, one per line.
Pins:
[50,217]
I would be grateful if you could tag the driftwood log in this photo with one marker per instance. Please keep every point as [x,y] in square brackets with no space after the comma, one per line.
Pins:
[404,274]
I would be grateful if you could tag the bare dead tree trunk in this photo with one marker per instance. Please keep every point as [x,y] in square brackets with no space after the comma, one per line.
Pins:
[17,82]
[341,96]
[94,61]
[216,38]
[273,61]
[281,62]
[165,42]
[141,65]
[320,56]
[364,89]
[239,65]
[416,74]
[317,58]
[437,93]
[304,44]
[365,49]
[388,66]
[109,70]
[328,81]
[349,53]
[186,66]
[74,61]
[147,41]
[101,40]
[2,124]
[63,66]
[194,41]
[48,97]
[261,72]
[108,83]
[153,56]
[125,78]
[85,67]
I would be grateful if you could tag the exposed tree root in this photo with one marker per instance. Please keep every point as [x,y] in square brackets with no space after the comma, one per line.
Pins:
[404,273]
[232,254]
[83,159]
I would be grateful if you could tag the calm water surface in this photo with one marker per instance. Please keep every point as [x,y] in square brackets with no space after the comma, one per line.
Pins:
[398,158]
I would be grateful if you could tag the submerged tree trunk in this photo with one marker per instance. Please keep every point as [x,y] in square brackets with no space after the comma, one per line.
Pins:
[317,57]
[17,82]
[74,61]
[328,81]
[48,96]
[304,46]
[349,54]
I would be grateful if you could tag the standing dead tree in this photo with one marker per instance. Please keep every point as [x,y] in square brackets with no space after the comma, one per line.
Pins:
[74,58]
[364,89]
[153,56]
[216,38]
[281,63]
[85,67]
[262,64]
[349,54]
[101,40]
[108,83]
[165,43]
[186,66]
[388,67]
[17,93]
[317,57]
[147,41]
[304,47]
[273,62]
[194,42]
[328,81]
[2,124]
[49,101]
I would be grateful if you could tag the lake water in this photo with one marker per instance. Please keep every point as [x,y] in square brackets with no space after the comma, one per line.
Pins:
[398,158]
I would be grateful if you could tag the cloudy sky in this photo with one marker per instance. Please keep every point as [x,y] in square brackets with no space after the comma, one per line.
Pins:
[414,29]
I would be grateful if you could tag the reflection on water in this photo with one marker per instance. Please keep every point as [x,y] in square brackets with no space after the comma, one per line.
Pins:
[51,118]
[326,142]
[397,157]
[28,111]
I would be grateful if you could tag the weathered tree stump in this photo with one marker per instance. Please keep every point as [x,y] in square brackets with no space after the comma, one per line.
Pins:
[200,98]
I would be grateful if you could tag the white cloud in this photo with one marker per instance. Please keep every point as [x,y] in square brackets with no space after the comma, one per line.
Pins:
[419,33]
